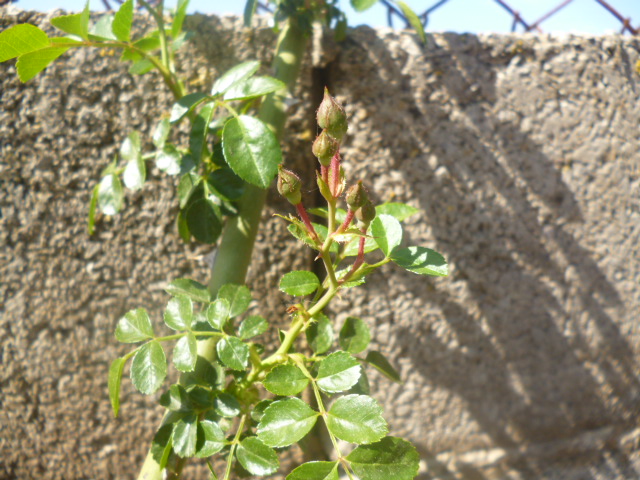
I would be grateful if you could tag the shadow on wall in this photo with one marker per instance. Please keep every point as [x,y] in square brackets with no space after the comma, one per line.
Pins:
[501,213]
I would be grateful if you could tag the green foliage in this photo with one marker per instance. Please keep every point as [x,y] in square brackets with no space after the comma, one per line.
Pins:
[216,408]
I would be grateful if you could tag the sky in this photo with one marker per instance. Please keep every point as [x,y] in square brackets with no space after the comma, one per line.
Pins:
[471,16]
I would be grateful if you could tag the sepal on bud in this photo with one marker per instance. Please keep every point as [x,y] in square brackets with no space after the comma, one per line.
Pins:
[325,147]
[366,213]
[289,185]
[331,117]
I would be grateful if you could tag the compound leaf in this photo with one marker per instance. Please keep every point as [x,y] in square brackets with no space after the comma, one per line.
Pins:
[391,457]
[256,457]
[21,39]
[251,150]
[420,260]
[299,283]
[356,419]
[233,76]
[233,352]
[149,368]
[179,313]
[115,379]
[192,289]
[285,422]
[185,353]
[354,335]
[238,296]
[315,471]
[285,380]
[134,327]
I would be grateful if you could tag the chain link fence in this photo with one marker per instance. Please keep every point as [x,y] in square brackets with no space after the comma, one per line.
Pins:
[626,24]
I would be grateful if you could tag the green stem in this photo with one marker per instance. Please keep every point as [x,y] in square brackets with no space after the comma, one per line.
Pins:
[236,246]
[234,445]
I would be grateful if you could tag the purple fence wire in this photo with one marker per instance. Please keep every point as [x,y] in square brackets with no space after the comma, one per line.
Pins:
[626,24]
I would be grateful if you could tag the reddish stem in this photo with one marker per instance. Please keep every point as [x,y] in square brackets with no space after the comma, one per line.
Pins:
[324,174]
[305,218]
[335,171]
[359,259]
[347,221]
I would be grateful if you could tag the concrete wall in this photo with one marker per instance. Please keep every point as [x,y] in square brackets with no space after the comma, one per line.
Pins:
[521,152]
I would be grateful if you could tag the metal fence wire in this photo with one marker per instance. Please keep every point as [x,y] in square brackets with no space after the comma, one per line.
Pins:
[625,22]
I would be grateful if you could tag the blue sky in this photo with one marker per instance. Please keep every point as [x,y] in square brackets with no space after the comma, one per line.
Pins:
[581,16]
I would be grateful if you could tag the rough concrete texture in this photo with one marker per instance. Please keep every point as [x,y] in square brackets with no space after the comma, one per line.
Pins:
[521,153]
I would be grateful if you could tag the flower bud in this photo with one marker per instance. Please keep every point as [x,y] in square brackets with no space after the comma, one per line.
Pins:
[331,117]
[289,185]
[356,196]
[366,213]
[325,147]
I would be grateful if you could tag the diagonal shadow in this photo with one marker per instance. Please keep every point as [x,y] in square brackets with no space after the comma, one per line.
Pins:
[541,359]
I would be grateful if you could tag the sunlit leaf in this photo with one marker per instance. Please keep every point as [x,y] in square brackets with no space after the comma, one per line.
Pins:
[315,471]
[338,372]
[233,76]
[299,283]
[420,260]
[134,327]
[356,419]
[21,39]
[149,368]
[185,353]
[285,422]
[354,335]
[233,352]
[256,457]
[390,458]
[115,379]
[285,380]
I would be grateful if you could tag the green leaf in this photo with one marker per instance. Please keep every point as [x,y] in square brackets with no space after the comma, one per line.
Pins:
[187,186]
[134,327]
[161,445]
[192,289]
[413,20]
[141,67]
[226,183]
[233,76]
[161,133]
[362,5]
[354,335]
[285,422]
[233,352]
[204,220]
[169,160]
[390,458]
[227,405]
[338,372]
[249,11]
[76,24]
[185,436]
[256,457]
[178,18]
[320,334]
[218,313]
[400,211]
[21,39]
[102,29]
[185,353]
[285,380]
[356,419]
[186,103]
[299,231]
[258,410]
[93,204]
[115,379]
[362,387]
[210,438]
[251,150]
[110,195]
[253,87]
[252,327]
[351,248]
[179,313]
[380,363]
[420,260]
[183,228]
[299,283]
[149,368]
[146,44]
[135,172]
[387,233]
[315,471]
[199,132]
[208,374]
[176,399]
[238,296]
[122,21]
[31,64]
[201,398]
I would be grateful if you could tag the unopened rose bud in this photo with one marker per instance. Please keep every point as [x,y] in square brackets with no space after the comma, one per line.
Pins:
[331,117]
[366,213]
[325,147]
[289,185]
[356,196]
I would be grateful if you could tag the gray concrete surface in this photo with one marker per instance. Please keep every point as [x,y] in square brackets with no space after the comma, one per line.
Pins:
[521,152]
